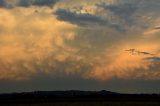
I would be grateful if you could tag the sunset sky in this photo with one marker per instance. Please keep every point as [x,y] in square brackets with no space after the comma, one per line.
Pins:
[80,44]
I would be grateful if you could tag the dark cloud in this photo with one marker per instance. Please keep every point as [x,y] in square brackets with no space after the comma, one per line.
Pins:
[153,58]
[124,13]
[80,19]
[157,28]
[138,52]
[85,19]
[4,4]
[122,16]
[49,55]
[133,13]
[27,3]
[44,2]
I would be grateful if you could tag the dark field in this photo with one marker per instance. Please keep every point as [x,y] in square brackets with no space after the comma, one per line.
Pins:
[80,102]
[78,98]
[88,104]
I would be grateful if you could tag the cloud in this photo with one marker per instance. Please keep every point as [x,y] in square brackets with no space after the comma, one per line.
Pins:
[37,2]
[2,2]
[33,43]
[157,27]
[125,11]
[116,63]
[26,3]
[118,15]
[78,37]
[153,58]
[83,19]
[137,52]
[129,16]
[103,28]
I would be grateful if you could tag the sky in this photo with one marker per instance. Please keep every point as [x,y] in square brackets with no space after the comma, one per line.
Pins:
[80,45]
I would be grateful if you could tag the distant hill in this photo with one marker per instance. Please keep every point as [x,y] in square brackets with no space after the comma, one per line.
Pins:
[69,93]
[74,96]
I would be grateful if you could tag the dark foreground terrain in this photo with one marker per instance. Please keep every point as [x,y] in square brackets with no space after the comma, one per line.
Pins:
[78,98]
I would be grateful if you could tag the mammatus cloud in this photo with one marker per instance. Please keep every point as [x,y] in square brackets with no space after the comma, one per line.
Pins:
[79,37]
[32,43]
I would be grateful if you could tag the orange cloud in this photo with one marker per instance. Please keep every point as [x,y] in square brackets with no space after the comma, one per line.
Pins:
[33,40]
[123,65]
[28,38]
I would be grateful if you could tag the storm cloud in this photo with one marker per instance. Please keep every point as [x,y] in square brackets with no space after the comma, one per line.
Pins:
[60,39]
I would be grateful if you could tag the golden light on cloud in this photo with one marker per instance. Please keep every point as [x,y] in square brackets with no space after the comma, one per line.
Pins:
[79,36]
[26,40]
[125,65]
